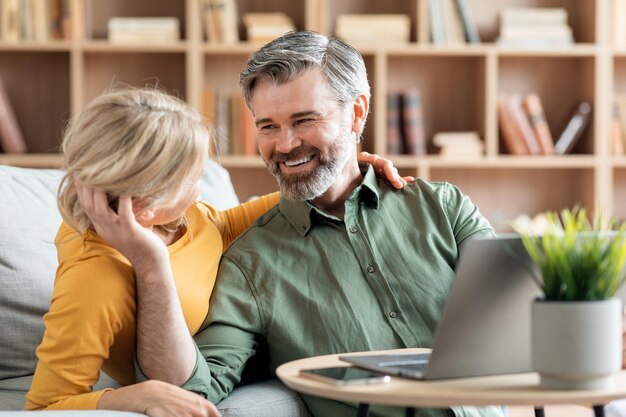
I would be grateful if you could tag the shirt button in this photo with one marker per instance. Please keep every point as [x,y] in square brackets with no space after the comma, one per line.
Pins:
[371,269]
[353,229]
[393,314]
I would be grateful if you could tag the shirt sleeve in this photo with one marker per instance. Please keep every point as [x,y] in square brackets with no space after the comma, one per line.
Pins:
[229,336]
[465,218]
[80,329]
[233,222]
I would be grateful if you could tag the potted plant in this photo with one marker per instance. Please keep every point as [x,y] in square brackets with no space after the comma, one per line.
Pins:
[577,325]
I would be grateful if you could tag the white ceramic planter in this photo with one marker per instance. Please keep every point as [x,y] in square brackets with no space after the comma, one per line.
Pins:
[577,344]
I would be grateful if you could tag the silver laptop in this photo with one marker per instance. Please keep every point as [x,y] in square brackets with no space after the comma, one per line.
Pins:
[485,329]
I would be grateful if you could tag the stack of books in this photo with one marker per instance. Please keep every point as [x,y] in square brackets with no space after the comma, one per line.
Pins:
[264,27]
[459,144]
[144,29]
[534,27]
[374,29]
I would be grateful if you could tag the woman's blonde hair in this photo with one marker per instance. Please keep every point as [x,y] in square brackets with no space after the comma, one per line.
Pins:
[137,142]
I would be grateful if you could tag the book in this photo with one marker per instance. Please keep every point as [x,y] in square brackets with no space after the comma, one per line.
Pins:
[143,29]
[437,22]
[222,123]
[522,123]
[11,138]
[394,134]
[208,20]
[574,129]
[423,26]
[40,20]
[413,131]
[10,21]
[469,24]
[619,118]
[536,115]
[453,24]
[533,16]
[374,29]
[264,27]
[617,132]
[247,127]
[511,135]
[228,20]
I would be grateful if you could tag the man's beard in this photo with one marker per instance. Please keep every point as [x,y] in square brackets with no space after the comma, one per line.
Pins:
[304,186]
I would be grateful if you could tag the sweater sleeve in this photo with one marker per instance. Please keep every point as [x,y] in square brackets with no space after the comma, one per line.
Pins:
[233,222]
[86,312]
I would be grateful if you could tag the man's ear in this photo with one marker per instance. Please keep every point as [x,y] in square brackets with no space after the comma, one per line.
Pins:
[361,108]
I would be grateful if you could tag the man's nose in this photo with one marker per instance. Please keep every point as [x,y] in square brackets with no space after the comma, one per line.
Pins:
[287,141]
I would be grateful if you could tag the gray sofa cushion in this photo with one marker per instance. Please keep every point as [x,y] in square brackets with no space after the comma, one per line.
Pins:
[28,262]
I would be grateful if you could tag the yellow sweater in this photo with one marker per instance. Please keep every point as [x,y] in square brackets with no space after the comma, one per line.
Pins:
[91,322]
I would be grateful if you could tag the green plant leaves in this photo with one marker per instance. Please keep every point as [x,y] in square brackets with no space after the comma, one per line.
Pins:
[578,260]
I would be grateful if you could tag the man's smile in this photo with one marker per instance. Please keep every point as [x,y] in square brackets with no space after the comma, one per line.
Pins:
[297,165]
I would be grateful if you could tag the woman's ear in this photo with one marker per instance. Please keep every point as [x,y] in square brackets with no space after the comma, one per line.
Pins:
[142,214]
[361,110]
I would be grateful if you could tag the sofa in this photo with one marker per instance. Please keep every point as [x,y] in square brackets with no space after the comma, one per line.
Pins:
[29,220]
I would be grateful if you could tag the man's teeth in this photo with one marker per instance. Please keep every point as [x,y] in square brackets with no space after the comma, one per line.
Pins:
[298,162]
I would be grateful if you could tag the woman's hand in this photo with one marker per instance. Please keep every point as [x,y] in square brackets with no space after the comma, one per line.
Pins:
[121,230]
[384,169]
[157,399]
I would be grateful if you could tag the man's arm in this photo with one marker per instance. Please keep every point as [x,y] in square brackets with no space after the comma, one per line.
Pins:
[229,336]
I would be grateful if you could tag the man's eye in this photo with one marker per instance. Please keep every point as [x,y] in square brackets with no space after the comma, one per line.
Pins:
[267,127]
[303,121]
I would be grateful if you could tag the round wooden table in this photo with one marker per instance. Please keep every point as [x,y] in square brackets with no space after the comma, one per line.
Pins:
[512,389]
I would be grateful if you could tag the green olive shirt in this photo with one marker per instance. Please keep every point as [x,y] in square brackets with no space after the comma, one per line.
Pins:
[310,284]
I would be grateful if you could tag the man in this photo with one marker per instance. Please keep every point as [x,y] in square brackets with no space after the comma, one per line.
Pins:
[343,263]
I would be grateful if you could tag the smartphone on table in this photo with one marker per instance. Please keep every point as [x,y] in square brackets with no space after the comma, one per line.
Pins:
[345,376]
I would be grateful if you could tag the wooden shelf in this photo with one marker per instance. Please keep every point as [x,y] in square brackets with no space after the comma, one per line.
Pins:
[50,82]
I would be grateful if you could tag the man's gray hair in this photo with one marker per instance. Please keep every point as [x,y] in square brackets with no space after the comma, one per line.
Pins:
[294,53]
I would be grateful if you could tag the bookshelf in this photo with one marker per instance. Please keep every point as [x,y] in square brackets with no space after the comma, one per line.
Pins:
[49,82]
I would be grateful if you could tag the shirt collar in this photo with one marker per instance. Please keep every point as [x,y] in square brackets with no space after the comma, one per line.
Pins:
[300,214]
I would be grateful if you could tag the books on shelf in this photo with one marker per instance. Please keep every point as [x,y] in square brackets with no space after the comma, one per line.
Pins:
[524,126]
[143,29]
[220,20]
[264,27]
[450,22]
[534,27]
[40,20]
[574,129]
[11,138]
[459,144]
[232,122]
[405,122]
[373,29]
